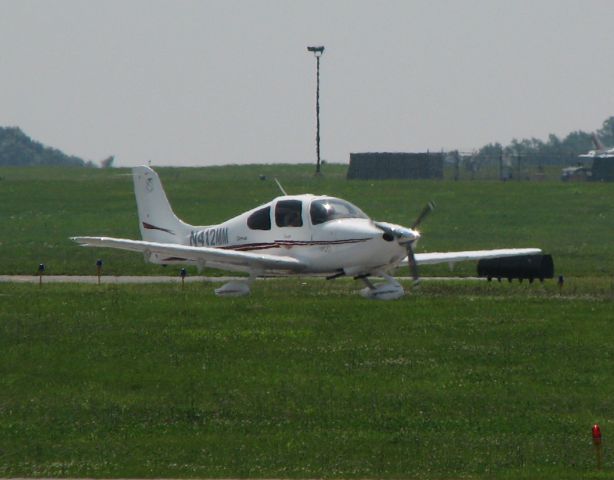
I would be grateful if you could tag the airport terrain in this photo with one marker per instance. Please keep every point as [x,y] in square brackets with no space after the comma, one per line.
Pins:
[43,207]
[304,379]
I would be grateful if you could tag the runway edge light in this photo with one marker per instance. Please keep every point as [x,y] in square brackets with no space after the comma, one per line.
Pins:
[98,269]
[596,434]
[183,274]
[597,445]
[41,270]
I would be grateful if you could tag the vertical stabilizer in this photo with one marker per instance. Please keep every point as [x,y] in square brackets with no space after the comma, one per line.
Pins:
[157,221]
[598,145]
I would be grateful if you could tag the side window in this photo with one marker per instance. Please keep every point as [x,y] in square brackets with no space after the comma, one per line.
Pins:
[288,213]
[260,219]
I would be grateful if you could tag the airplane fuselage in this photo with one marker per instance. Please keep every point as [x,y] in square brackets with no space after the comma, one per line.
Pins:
[327,234]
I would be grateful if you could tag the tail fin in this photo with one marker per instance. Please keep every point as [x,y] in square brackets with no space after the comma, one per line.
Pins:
[157,221]
[597,142]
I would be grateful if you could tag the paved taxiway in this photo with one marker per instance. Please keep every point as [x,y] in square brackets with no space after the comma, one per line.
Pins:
[110,279]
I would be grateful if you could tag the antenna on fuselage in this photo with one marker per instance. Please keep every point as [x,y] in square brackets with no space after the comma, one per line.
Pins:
[280,187]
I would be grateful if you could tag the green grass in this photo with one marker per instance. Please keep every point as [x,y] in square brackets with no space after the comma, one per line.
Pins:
[41,207]
[305,380]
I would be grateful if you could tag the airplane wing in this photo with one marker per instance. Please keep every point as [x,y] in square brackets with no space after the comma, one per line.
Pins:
[453,257]
[214,257]
[598,154]
[607,154]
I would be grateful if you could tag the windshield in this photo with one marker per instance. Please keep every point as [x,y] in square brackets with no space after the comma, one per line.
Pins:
[328,209]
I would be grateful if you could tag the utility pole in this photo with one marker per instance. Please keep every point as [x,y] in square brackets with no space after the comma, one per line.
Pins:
[317,51]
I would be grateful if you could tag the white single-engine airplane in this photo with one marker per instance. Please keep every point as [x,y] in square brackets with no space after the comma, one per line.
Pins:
[292,234]
[600,150]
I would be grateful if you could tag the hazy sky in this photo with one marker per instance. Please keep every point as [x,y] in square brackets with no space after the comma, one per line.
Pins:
[213,82]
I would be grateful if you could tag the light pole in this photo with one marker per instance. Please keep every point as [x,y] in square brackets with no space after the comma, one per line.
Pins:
[317,51]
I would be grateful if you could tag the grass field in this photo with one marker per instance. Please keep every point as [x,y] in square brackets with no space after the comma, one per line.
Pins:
[41,208]
[305,379]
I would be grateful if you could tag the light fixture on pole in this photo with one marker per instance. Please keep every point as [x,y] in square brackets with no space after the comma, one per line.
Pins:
[317,51]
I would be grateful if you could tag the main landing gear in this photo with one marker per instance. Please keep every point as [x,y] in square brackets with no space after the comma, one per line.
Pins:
[236,288]
[389,290]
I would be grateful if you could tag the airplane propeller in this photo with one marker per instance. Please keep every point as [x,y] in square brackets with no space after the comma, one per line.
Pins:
[407,237]
[413,266]
[425,211]
[411,257]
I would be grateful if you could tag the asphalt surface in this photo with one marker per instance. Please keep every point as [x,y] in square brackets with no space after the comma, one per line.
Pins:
[108,279]
[157,279]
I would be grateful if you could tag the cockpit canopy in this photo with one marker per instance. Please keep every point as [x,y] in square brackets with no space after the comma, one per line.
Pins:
[289,213]
[327,209]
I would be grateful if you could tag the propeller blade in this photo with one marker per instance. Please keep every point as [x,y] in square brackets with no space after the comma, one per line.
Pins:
[413,266]
[425,211]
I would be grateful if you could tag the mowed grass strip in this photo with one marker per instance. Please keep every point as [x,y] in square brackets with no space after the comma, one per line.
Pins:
[40,208]
[305,380]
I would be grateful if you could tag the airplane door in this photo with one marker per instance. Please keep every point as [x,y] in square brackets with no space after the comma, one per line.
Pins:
[290,220]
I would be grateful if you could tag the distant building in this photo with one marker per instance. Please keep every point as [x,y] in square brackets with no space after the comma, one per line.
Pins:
[379,166]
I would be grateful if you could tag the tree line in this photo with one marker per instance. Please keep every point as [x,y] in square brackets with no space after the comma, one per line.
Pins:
[552,150]
[18,149]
